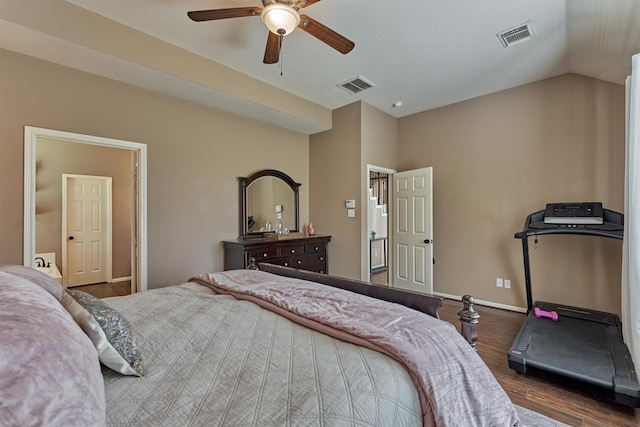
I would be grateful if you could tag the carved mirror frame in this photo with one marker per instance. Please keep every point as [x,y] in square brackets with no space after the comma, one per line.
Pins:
[246,181]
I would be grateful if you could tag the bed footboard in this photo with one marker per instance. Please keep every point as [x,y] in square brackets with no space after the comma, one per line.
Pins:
[469,321]
[427,304]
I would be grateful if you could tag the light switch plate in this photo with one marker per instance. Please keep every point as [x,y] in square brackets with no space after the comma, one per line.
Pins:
[351,204]
[351,213]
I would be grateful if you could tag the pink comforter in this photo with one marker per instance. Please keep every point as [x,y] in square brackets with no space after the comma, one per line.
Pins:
[456,388]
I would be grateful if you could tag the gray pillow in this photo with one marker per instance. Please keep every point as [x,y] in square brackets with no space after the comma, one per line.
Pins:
[110,332]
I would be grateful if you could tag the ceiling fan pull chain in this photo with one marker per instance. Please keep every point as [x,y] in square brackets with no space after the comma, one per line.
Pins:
[280,51]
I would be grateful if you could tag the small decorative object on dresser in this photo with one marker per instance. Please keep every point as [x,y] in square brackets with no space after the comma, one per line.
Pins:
[310,230]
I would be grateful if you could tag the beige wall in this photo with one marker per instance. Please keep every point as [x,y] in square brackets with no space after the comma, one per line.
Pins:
[379,139]
[334,173]
[502,156]
[195,155]
[361,135]
[57,157]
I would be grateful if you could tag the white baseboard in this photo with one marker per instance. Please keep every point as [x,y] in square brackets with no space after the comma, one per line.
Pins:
[121,279]
[482,302]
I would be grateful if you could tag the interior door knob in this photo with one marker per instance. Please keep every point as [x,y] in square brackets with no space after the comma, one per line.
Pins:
[70,237]
[427,241]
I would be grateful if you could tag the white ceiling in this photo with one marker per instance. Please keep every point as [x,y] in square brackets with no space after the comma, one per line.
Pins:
[425,53]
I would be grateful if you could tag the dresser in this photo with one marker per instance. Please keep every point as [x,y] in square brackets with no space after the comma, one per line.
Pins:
[305,253]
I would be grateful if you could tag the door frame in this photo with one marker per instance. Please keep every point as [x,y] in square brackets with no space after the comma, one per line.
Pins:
[139,232]
[364,235]
[108,225]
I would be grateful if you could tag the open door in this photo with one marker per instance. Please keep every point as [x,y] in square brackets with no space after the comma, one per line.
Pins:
[412,231]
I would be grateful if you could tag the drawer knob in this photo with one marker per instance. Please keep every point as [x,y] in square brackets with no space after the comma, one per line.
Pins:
[316,248]
[286,264]
[293,251]
[265,254]
[299,262]
[321,258]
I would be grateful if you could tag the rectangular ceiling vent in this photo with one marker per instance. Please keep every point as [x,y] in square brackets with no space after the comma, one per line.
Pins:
[516,35]
[356,84]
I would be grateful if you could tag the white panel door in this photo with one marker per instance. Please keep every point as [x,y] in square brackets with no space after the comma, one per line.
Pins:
[87,228]
[413,230]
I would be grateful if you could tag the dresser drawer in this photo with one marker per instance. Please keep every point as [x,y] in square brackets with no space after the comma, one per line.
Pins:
[292,250]
[315,247]
[261,254]
[308,260]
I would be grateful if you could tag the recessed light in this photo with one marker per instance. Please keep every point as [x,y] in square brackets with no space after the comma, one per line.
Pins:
[397,104]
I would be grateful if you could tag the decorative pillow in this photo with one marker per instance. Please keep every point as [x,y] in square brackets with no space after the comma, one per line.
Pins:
[49,369]
[37,277]
[111,333]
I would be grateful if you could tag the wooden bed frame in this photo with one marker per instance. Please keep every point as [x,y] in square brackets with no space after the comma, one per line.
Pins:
[427,304]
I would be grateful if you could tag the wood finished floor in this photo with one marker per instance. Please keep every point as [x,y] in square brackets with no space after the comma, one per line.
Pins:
[497,330]
[105,290]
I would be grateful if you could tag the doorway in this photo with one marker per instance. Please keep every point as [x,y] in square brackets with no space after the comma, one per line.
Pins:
[378,239]
[135,247]
[406,238]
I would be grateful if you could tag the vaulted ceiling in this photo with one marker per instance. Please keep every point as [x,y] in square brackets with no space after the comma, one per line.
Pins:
[422,53]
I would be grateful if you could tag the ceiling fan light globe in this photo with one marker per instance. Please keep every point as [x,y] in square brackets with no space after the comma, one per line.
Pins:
[280,19]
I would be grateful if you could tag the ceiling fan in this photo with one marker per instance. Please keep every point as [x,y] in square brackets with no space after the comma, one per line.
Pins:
[281,17]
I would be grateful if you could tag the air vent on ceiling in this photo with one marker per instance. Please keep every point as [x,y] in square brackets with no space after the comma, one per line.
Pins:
[516,35]
[356,84]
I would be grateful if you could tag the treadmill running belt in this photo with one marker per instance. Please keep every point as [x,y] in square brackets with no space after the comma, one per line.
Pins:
[583,345]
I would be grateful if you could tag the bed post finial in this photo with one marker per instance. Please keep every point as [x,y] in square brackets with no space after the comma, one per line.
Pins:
[469,321]
[252,264]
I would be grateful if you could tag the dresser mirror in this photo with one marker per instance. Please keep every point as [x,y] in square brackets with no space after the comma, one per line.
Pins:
[266,197]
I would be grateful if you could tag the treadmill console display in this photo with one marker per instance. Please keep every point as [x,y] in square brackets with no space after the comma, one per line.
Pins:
[573,213]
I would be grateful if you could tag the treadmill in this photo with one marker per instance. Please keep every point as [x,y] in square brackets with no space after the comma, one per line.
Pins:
[584,347]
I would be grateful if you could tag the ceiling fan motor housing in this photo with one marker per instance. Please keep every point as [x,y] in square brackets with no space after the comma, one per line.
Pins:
[280,17]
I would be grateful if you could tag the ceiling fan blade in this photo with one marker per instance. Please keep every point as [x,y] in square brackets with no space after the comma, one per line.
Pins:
[325,34]
[308,3]
[212,14]
[272,51]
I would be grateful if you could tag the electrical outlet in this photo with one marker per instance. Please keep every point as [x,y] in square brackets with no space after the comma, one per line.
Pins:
[499,282]
[507,284]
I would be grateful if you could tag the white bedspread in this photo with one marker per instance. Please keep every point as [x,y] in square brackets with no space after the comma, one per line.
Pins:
[212,360]
[455,386]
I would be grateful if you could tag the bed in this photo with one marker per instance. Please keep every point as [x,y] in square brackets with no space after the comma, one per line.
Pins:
[237,348]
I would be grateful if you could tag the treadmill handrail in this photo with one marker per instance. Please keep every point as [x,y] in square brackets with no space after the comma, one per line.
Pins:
[609,218]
